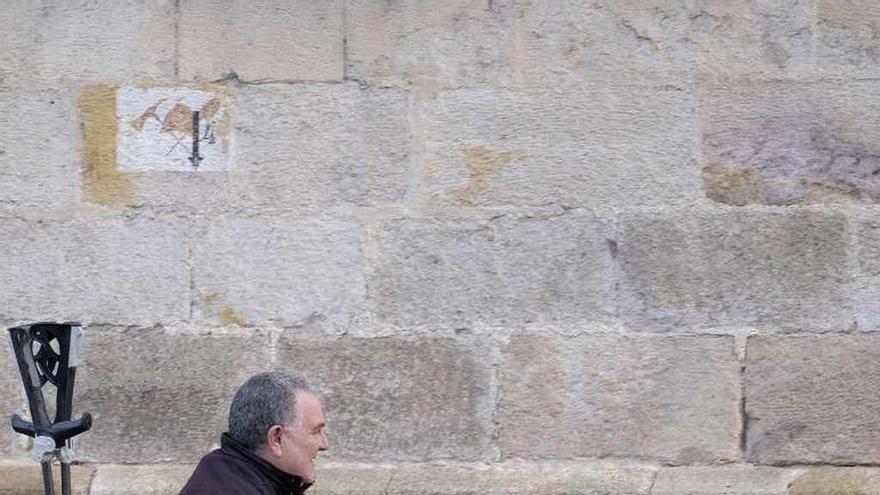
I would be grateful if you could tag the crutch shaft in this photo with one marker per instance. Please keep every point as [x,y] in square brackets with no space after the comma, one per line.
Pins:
[65,478]
[48,485]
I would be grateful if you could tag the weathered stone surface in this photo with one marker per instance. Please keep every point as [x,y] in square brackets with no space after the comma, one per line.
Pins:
[447,43]
[827,480]
[644,41]
[279,270]
[38,151]
[811,399]
[341,145]
[500,272]
[466,42]
[866,283]
[12,399]
[784,37]
[724,480]
[162,395]
[106,41]
[787,142]
[398,398]
[670,398]
[157,479]
[504,478]
[605,146]
[757,268]
[847,36]
[261,39]
[18,23]
[27,479]
[117,270]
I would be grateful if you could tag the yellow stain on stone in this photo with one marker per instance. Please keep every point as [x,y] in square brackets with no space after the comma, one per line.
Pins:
[832,481]
[819,192]
[102,182]
[229,317]
[218,89]
[733,186]
[482,164]
[210,299]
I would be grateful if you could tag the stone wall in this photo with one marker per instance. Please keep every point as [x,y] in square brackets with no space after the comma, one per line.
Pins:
[521,246]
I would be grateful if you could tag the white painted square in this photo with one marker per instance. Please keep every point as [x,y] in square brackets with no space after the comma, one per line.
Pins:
[155,129]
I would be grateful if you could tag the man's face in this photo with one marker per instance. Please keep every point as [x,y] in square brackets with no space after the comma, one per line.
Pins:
[303,439]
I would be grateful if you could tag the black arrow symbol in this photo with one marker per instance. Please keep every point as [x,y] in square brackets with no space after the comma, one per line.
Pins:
[195,158]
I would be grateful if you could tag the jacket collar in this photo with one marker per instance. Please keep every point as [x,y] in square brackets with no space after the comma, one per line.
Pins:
[288,483]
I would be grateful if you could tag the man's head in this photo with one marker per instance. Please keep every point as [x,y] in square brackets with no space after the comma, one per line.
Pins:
[276,416]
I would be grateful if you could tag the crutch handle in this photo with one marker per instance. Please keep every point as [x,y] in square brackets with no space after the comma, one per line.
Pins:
[22,426]
[63,430]
[60,431]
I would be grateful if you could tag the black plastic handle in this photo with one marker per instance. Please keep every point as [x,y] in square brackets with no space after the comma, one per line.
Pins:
[60,431]
[22,426]
[63,430]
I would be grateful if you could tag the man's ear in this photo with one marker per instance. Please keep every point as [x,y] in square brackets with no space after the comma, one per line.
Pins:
[273,440]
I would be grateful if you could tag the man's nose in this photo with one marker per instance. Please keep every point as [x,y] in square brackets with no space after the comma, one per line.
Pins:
[324,443]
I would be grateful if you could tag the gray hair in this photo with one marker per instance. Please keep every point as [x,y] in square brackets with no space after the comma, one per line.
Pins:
[265,400]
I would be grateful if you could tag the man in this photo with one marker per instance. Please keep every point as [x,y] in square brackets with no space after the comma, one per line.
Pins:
[276,429]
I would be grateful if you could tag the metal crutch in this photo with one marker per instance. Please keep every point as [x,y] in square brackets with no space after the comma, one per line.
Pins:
[50,352]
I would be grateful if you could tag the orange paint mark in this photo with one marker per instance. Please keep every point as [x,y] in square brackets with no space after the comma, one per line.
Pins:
[229,317]
[210,299]
[482,164]
[102,182]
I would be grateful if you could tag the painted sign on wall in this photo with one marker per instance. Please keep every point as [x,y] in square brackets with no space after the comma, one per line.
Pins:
[171,128]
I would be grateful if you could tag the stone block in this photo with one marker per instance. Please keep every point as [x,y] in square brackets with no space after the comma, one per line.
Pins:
[507,271]
[787,142]
[823,480]
[468,43]
[674,399]
[162,394]
[812,399]
[101,41]
[784,269]
[106,270]
[448,43]
[27,479]
[650,41]
[18,26]
[353,478]
[38,152]
[321,145]
[261,40]
[606,146]
[866,282]
[157,479]
[398,398]
[279,270]
[724,480]
[846,37]
[501,478]
[784,37]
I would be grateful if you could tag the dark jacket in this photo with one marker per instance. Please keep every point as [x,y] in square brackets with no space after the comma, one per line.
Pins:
[233,470]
